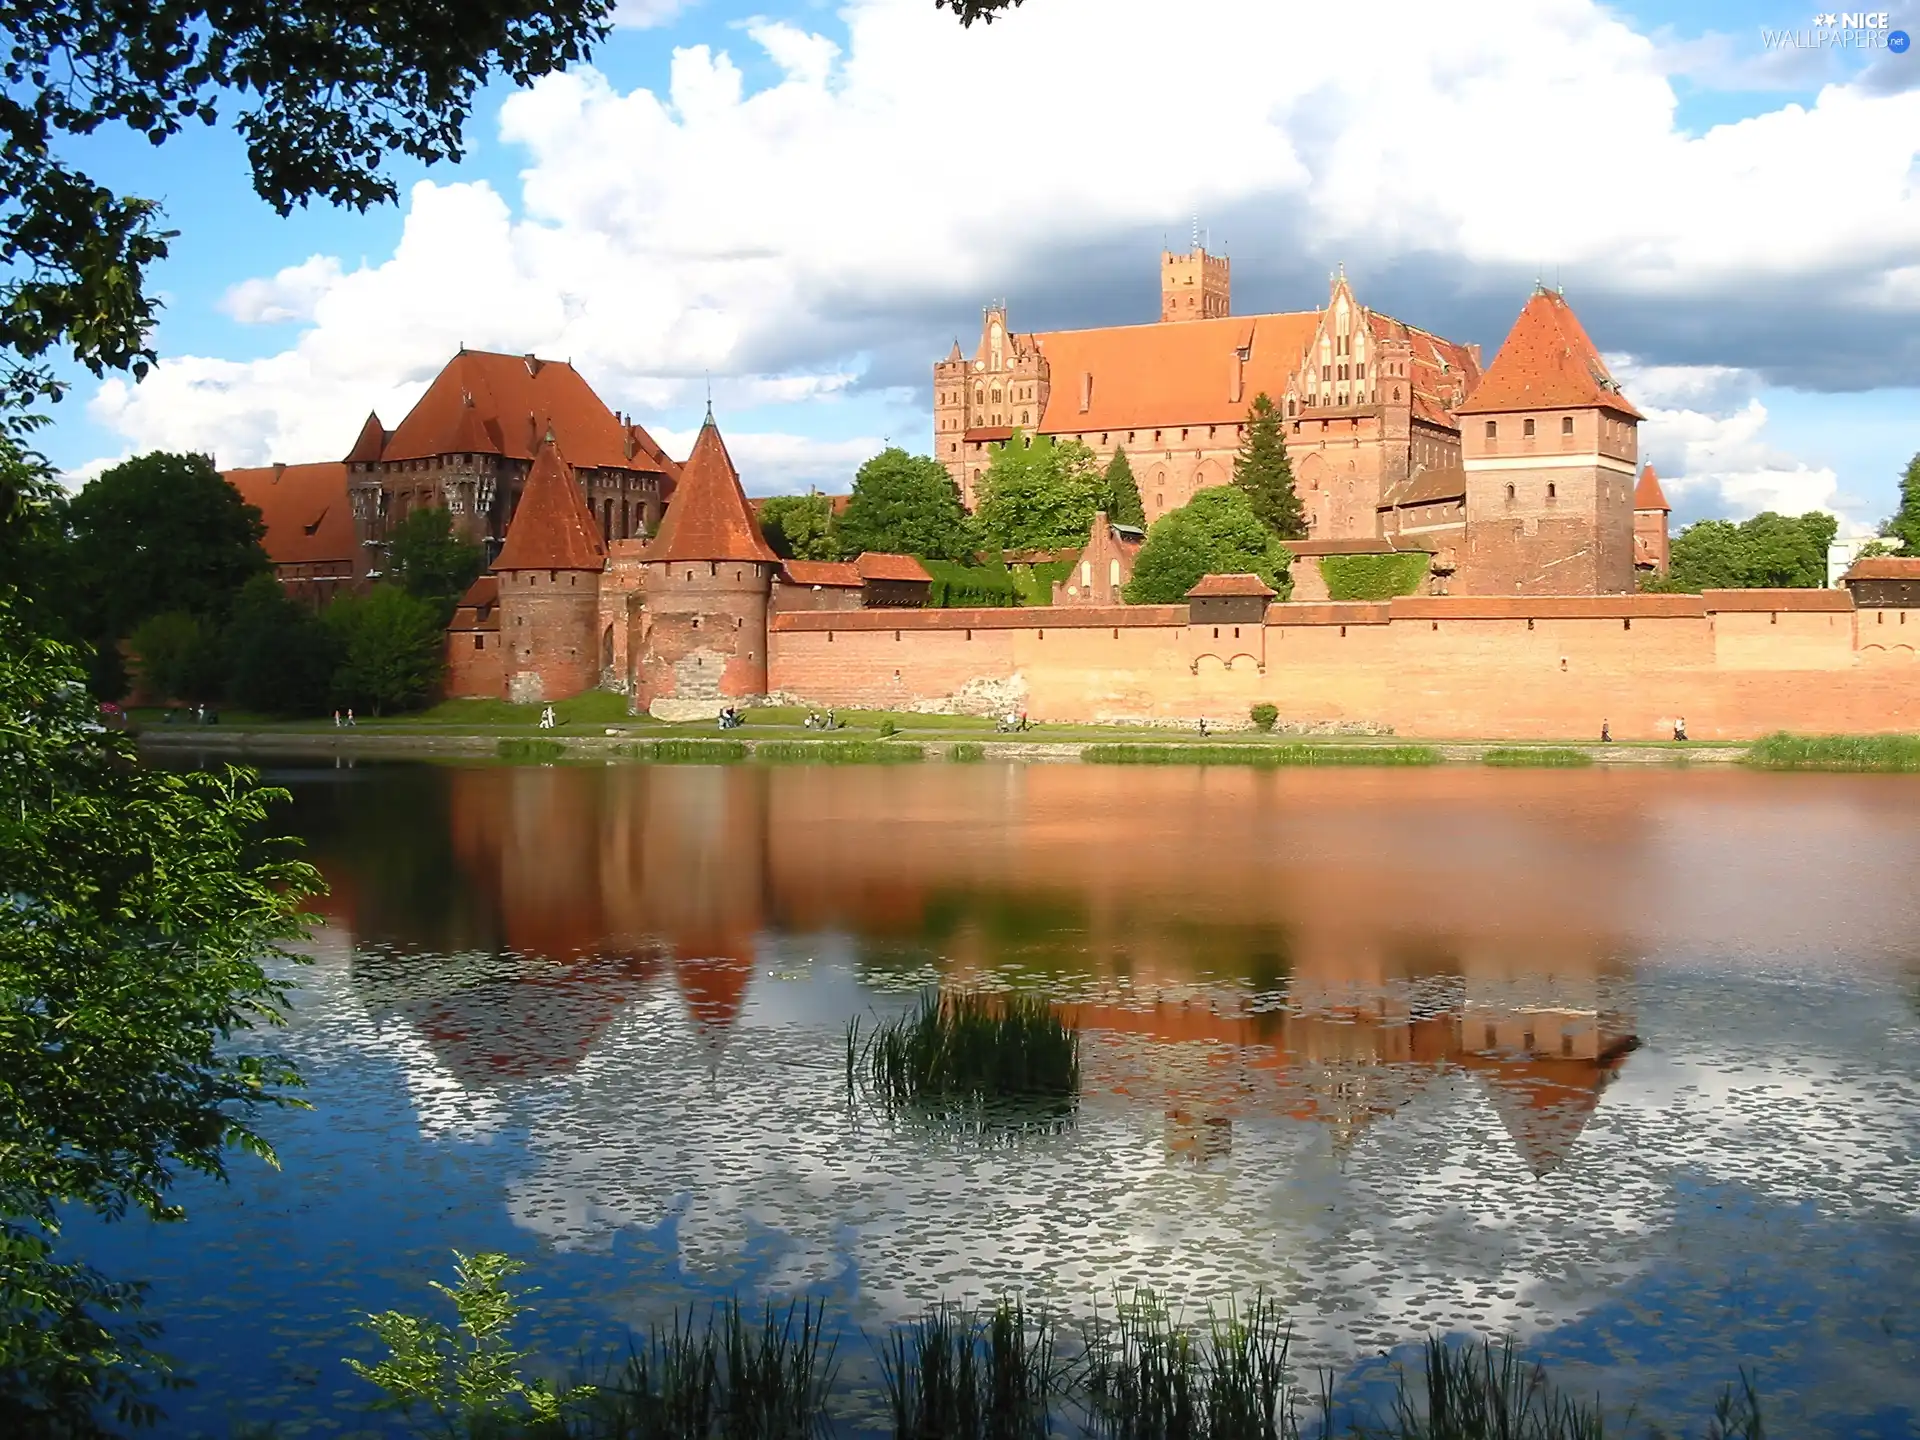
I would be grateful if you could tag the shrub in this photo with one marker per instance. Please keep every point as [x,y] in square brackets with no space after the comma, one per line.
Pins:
[836,752]
[392,649]
[281,655]
[888,728]
[958,587]
[967,752]
[699,752]
[1265,715]
[178,657]
[1866,753]
[1374,577]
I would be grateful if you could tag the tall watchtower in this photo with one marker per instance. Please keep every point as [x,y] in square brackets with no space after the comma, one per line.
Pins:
[1194,286]
[549,574]
[1550,447]
[702,641]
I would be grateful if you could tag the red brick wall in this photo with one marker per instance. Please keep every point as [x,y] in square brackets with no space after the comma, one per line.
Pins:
[1423,666]
[702,637]
[552,638]
[474,671]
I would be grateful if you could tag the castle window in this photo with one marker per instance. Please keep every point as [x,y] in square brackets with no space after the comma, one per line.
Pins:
[1359,372]
[1566,424]
[1509,492]
[1326,372]
[1493,429]
[1550,490]
[1526,426]
[479,642]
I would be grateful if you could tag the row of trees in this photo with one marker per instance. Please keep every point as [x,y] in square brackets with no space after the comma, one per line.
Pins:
[1039,493]
[160,557]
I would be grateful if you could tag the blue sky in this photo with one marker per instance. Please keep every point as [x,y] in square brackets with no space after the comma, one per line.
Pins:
[806,202]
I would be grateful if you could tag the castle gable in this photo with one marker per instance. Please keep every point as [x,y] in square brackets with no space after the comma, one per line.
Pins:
[1547,362]
[551,530]
[709,518]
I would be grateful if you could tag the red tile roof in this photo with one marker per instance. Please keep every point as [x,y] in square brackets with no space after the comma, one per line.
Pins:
[1180,373]
[370,444]
[1547,363]
[1447,482]
[1359,545]
[985,434]
[1724,601]
[479,608]
[873,565]
[551,529]
[1215,585]
[709,518]
[306,510]
[1647,495]
[503,404]
[1441,371]
[1885,567]
[831,573]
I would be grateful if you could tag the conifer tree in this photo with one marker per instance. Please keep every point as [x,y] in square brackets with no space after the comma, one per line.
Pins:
[1123,492]
[1264,474]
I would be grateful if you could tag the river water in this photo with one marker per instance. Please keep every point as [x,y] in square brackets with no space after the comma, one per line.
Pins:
[1626,1064]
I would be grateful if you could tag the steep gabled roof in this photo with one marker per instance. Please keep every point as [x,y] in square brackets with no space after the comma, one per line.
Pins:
[709,518]
[1648,495]
[370,444]
[833,574]
[1547,363]
[494,404]
[305,507]
[551,529]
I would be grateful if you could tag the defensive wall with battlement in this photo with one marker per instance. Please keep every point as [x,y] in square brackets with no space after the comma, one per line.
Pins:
[1733,664]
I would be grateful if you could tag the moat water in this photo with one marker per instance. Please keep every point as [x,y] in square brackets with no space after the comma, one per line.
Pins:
[1365,1042]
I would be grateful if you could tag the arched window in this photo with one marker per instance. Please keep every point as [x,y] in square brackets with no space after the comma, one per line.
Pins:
[1113,573]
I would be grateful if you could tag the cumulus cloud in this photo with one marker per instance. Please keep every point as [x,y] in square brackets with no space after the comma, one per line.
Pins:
[837,221]
[289,295]
[648,14]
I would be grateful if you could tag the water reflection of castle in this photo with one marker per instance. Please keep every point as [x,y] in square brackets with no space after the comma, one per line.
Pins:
[1183,906]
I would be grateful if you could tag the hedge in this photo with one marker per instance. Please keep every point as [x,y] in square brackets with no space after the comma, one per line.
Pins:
[1374,577]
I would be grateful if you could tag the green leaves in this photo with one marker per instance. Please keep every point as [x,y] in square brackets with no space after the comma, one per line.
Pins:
[427,560]
[1215,533]
[468,1377]
[1039,494]
[1905,524]
[800,527]
[392,649]
[1767,551]
[907,505]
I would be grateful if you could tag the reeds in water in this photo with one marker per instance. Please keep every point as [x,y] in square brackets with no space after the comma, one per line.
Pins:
[958,1374]
[1487,1392]
[971,1053]
[731,1379]
[697,752]
[1260,755]
[525,751]
[1536,757]
[1149,1378]
[1865,753]
[837,752]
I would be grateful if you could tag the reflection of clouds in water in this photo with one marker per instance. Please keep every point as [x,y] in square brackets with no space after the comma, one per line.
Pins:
[1431,1218]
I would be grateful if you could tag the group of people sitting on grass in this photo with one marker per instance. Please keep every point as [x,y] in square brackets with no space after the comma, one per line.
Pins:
[731,719]
[816,721]
[1013,722]
[197,714]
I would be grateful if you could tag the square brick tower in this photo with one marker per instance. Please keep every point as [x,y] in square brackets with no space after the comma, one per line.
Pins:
[1194,286]
[549,574]
[702,626]
[1550,448]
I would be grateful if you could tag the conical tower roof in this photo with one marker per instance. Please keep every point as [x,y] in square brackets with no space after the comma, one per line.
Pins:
[709,518]
[370,444]
[551,529]
[1547,363]
[1648,495]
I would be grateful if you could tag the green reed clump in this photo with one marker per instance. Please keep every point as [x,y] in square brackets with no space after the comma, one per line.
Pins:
[699,752]
[967,752]
[967,1049]
[731,1379]
[1259,755]
[1147,1377]
[1487,1392]
[523,751]
[1536,757]
[958,1374]
[1864,753]
[837,752]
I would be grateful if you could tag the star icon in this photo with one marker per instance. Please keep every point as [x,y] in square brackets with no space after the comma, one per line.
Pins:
[1823,20]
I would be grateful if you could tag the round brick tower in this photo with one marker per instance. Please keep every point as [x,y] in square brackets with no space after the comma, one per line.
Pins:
[702,642]
[549,573]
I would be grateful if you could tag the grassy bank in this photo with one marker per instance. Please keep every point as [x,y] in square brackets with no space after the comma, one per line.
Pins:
[1867,754]
[1260,755]
[1536,757]
[837,752]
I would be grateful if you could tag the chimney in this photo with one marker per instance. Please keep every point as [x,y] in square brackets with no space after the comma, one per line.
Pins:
[279,469]
[533,364]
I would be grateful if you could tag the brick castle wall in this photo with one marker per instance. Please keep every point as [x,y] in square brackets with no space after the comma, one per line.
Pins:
[701,636]
[549,625]
[1434,667]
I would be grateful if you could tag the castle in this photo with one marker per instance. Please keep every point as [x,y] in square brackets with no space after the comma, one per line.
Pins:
[1519,479]
[1519,484]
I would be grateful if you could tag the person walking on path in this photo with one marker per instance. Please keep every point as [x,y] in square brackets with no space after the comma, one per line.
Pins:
[1606,733]
[1680,729]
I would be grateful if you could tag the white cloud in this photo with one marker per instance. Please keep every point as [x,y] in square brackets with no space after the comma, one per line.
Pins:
[792,230]
[290,295]
[648,14]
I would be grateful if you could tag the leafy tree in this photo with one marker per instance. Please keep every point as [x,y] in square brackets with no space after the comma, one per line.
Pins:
[427,560]
[141,906]
[800,527]
[1264,474]
[154,534]
[1215,533]
[392,649]
[906,504]
[179,657]
[1123,503]
[972,10]
[1039,494]
[280,655]
[1767,551]
[1905,524]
